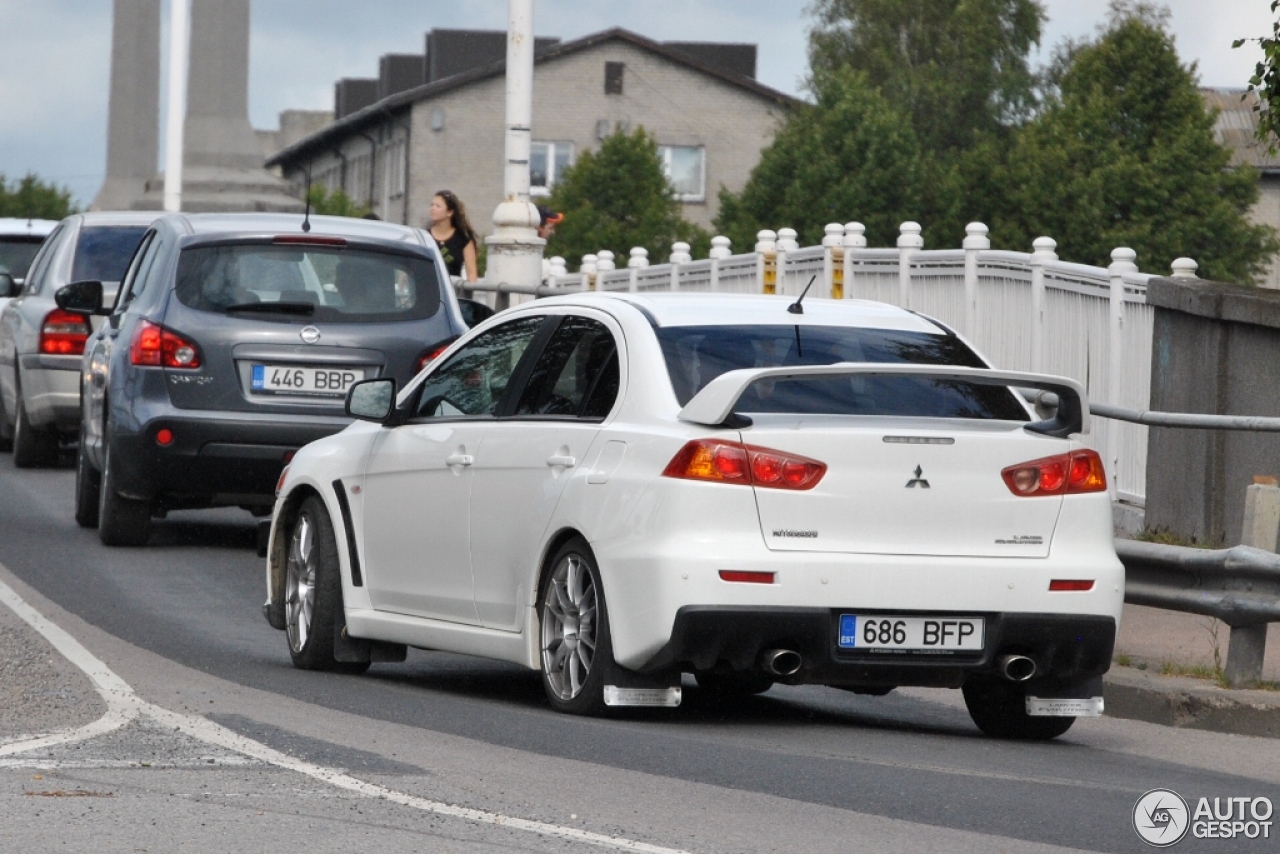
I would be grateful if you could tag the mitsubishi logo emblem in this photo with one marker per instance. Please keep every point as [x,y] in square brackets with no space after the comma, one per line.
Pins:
[918,480]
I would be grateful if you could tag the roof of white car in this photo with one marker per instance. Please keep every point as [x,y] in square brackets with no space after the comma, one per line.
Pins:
[251,223]
[25,227]
[92,218]
[704,309]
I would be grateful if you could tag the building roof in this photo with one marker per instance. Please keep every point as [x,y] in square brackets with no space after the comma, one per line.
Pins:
[388,105]
[1236,127]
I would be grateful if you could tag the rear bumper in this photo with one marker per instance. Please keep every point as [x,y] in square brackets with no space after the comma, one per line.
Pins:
[1067,648]
[213,460]
[51,391]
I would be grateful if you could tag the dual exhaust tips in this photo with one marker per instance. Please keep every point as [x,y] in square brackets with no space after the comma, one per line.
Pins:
[787,662]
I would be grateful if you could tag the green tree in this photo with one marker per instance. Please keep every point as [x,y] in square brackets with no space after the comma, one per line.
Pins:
[1266,82]
[619,197]
[1124,155]
[850,156]
[334,202]
[31,197]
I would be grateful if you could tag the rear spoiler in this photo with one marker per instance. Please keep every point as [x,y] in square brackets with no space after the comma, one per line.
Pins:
[713,406]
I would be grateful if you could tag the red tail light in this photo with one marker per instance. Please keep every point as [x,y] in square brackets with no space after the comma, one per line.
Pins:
[1078,471]
[743,576]
[733,462]
[432,354]
[63,333]
[1078,585]
[156,346]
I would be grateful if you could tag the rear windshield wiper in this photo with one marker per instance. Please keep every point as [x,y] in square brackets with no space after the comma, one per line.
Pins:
[274,307]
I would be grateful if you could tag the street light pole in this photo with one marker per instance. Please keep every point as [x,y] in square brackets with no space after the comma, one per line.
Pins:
[515,250]
[179,50]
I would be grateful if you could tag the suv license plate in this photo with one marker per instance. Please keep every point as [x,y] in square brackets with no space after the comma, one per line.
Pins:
[900,633]
[290,379]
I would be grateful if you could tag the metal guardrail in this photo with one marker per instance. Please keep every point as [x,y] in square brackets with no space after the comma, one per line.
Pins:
[1239,586]
[1191,420]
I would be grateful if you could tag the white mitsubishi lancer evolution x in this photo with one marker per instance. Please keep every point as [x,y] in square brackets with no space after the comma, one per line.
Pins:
[618,489]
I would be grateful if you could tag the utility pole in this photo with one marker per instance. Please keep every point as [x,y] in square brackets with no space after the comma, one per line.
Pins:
[179,49]
[515,250]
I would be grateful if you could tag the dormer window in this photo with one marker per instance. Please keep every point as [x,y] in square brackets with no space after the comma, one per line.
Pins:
[613,77]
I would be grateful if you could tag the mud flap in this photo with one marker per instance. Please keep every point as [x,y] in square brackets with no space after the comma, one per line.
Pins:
[360,650]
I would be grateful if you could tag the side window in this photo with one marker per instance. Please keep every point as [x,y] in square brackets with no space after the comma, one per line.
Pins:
[135,276]
[40,264]
[471,383]
[576,374]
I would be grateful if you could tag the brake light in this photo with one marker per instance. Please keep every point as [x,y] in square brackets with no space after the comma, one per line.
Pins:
[308,240]
[432,354]
[158,347]
[733,462]
[63,333]
[1078,585]
[1068,474]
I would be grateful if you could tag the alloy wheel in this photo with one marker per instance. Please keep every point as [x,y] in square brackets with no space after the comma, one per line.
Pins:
[569,627]
[300,583]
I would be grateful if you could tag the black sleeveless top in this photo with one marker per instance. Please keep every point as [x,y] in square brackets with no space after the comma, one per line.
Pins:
[452,249]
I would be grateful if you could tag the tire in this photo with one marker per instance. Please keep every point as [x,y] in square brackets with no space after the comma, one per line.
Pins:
[999,709]
[6,432]
[738,683]
[577,649]
[88,489]
[313,591]
[32,448]
[121,521]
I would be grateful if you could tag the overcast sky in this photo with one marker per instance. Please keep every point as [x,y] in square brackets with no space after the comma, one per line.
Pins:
[55,54]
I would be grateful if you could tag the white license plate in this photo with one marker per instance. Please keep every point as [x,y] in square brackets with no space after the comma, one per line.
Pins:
[874,632]
[291,379]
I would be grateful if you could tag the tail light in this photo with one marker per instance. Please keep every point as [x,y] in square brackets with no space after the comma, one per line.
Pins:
[433,354]
[733,462]
[158,347]
[63,333]
[1068,474]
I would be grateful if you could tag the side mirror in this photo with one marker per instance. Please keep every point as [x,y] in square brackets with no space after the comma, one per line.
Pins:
[474,312]
[81,297]
[372,400]
[8,285]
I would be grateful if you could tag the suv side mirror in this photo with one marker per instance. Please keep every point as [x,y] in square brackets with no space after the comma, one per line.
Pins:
[474,312]
[8,285]
[81,297]
[372,400]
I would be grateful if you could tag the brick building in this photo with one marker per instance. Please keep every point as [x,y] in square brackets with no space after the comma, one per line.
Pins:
[435,121]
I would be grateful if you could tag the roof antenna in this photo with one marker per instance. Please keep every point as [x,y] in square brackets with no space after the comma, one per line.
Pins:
[306,217]
[796,307]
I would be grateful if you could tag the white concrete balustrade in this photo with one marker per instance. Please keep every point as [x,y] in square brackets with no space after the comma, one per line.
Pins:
[1023,310]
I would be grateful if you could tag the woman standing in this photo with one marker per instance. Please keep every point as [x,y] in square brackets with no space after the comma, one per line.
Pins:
[453,234]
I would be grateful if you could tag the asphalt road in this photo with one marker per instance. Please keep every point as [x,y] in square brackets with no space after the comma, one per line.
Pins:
[809,768]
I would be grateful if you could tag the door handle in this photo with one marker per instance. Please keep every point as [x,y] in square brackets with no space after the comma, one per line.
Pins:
[459,460]
[562,460]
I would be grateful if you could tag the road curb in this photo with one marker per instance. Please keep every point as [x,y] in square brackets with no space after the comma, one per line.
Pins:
[1191,703]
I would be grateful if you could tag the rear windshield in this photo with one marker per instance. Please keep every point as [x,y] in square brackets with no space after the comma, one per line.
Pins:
[319,282]
[103,252]
[695,355]
[16,254]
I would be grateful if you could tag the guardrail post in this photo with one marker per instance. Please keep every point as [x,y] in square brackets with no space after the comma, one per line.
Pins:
[975,241]
[1248,644]
[558,267]
[588,270]
[833,261]
[1043,247]
[1122,261]
[679,255]
[1185,268]
[767,261]
[787,243]
[721,247]
[855,237]
[909,240]
[639,257]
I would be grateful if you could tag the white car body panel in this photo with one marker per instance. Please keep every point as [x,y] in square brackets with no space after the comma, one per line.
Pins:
[660,542]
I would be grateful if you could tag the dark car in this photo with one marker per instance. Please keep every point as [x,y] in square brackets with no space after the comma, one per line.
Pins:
[232,343]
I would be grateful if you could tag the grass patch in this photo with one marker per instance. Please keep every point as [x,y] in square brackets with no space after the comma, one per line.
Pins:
[1171,538]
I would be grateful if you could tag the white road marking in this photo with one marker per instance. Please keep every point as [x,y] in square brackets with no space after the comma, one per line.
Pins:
[123,706]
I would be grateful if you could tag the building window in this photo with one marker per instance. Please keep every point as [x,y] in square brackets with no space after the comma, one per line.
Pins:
[613,78]
[393,168]
[685,166]
[359,169]
[547,163]
[329,177]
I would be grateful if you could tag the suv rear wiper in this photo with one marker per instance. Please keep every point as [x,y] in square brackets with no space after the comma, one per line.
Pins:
[274,307]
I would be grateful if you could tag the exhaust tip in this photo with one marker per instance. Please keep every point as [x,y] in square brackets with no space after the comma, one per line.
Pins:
[781,662]
[1017,668]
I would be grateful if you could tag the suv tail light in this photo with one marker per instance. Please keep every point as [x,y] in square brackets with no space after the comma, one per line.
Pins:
[750,465]
[156,346]
[63,333]
[1068,474]
[433,354]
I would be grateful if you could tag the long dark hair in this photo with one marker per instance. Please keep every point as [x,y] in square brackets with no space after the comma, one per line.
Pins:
[458,214]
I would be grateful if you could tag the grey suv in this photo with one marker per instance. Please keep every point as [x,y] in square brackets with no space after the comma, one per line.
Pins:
[232,343]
